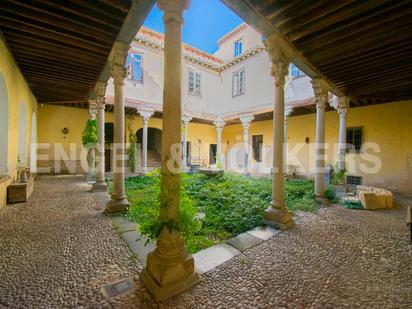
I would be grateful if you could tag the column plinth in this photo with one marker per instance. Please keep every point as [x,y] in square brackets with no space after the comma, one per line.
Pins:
[117,58]
[277,215]
[100,185]
[170,269]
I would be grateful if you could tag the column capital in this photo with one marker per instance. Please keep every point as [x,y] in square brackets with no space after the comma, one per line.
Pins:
[173,9]
[246,120]
[341,104]
[117,59]
[320,89]
[100,89]
[219,122]
[186,119]
[280,56]
[145,114]
[92,109]
[288,111]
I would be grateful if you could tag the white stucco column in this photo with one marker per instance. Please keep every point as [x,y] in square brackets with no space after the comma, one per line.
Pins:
[146,114]
[170,269]
[246,121]
[320,90]
[117,60]
[341,104]
[91,156]
[185,123]
[288,112]
[219,123]
[100,184]
[277,214]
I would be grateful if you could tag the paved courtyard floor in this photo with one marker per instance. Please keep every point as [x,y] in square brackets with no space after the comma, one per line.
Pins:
[59,250]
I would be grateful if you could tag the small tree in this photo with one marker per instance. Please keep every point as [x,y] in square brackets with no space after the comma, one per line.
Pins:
[131,152]
[89,137]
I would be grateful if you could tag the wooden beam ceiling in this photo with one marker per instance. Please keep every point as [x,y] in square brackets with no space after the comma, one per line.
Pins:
[361,47]
[62,46]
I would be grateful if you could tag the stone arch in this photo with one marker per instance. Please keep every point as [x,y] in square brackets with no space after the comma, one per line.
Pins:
[154,139]
[33,144]
[22,137]
[4,125]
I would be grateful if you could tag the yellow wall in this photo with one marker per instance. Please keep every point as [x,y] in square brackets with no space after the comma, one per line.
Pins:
[387,125]
[17,92]
[52,120]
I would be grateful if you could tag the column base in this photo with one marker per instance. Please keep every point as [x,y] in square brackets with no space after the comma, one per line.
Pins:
[99,186]
[279,218]
[322,200]
[169,270]
[116,205]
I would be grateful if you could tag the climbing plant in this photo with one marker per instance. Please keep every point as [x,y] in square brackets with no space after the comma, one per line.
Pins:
[89,137]
[131,151]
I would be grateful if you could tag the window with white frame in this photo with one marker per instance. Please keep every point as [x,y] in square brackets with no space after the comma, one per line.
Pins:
[238,83]
[238,47]
[195,81]
[295,71]
[134,66]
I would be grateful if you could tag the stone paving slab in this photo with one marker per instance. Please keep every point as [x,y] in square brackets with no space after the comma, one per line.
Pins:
[212,257]
[125,226]
[263,232]
[244,241]
[138,245]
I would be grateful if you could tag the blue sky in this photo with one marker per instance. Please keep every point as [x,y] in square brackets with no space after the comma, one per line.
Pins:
[205,22]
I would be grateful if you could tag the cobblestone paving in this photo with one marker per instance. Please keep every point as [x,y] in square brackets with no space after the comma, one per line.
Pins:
[59,250]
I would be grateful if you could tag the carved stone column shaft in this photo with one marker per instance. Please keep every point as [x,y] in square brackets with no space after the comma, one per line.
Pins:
[185,122]
[219,123]
[146,114]
[246,120]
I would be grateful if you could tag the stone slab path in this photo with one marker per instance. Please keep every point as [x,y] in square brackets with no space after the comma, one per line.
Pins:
[58,251]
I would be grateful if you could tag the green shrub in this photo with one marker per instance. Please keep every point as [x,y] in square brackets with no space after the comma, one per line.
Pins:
[89,136]
[330,194]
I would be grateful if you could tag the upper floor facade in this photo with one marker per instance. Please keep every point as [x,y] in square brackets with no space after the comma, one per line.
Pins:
[235,79]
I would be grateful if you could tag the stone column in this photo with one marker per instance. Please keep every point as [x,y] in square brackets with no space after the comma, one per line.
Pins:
[100,184]
[288,112]
[246,120]
[320,90]
[341,104]
[277,214]
[117,60]
[185,121]
[146,114]
[170,269]
[91,155]
[219,123]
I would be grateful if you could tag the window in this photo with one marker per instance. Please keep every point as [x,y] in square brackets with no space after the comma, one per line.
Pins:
[257,144]
[354,137]
[353,180]
[295,71]
[134,66]
[238,83]
[238,47]
[194,82]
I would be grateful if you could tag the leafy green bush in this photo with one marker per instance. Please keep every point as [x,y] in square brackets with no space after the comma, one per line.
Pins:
[330,194]
[89,136]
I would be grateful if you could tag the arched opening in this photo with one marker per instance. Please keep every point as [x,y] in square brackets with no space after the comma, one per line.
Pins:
[154,146]
[22,157]
[33,146]
[4,126]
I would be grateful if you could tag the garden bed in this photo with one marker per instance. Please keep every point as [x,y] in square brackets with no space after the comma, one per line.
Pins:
[213,209]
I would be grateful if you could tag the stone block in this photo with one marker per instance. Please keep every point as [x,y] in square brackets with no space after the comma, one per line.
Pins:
[263,232]
[138,245]
[244,241]
[212,257]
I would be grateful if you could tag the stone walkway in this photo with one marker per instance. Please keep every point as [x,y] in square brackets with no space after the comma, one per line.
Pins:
[59,251]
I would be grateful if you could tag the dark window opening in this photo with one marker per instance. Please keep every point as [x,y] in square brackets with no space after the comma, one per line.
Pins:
[354,139]
[212,153]
[353,180]
[108,132]
[257,145]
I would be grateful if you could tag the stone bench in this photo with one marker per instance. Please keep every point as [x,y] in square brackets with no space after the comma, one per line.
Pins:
[374,198]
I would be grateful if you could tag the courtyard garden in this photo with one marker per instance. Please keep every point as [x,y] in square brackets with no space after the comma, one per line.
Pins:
[213,208]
